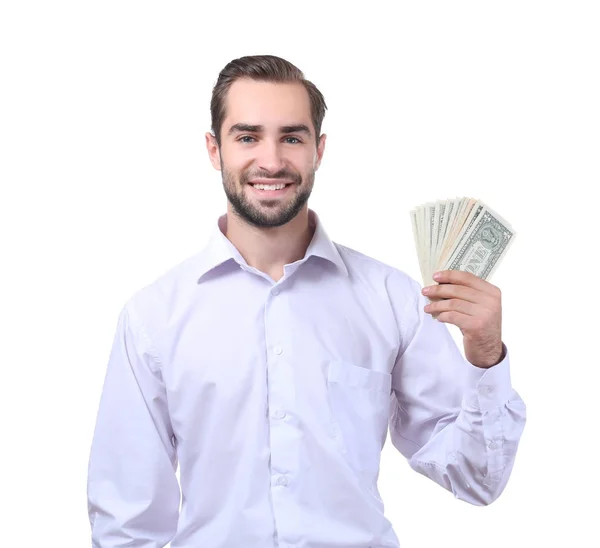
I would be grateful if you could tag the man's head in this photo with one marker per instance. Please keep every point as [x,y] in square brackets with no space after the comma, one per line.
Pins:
[266,122]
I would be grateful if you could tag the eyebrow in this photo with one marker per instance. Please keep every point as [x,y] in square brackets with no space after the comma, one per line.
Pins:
[241,127]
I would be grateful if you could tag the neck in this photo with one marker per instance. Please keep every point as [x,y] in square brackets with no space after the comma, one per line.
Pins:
[269,249]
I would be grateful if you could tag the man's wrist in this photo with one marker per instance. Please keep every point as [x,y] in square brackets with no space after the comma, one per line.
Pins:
[495,358]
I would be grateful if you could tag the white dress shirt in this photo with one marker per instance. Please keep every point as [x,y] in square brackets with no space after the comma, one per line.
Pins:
[275,398]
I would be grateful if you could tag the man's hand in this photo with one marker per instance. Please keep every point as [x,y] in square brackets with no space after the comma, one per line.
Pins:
[474,306]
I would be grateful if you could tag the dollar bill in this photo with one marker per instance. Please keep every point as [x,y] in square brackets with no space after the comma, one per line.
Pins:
[459,234]
[483,245]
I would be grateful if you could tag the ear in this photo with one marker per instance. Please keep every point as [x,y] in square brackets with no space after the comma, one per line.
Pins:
[320,150]
[213,151]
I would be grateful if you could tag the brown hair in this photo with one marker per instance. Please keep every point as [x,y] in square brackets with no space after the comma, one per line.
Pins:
[264,68]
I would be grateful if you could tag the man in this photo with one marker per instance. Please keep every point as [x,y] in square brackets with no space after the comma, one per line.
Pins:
[270,366]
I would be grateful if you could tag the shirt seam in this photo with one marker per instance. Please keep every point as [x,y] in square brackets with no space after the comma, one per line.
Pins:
[153,352]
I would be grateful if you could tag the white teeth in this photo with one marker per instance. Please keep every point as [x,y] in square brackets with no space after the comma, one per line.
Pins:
[269,187]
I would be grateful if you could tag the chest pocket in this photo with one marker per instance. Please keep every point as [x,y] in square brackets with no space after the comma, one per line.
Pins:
[359,403]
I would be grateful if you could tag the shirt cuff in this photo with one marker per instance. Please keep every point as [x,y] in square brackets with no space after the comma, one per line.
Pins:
[488,388]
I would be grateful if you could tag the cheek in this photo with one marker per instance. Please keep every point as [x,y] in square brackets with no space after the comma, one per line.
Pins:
[235,169]
[232,175]
[235,158]
[304,163]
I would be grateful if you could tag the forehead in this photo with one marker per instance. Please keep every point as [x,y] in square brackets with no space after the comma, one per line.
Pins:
[267,103]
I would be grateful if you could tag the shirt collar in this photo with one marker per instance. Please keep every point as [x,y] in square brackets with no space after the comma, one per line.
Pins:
[220,250]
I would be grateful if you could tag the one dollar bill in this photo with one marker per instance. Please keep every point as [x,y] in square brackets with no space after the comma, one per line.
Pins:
[459,234]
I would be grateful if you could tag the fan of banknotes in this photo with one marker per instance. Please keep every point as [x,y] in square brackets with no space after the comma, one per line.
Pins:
[459,234]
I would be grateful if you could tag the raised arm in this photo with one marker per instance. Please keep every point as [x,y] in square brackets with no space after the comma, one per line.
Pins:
[458,424]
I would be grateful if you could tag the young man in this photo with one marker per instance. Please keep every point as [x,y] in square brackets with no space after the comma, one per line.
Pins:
[270,365]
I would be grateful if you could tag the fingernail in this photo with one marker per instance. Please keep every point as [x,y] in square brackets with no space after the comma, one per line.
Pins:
[425,290]
[437,276]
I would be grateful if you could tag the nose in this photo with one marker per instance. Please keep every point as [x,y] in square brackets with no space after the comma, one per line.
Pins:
[270,157]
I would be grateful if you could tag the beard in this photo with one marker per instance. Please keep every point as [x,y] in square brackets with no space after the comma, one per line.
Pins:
[266,213]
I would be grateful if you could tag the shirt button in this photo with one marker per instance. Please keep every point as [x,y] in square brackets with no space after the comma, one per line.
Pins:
[485,389]
[279,414]
[282,480]
[278,350]
[276,291]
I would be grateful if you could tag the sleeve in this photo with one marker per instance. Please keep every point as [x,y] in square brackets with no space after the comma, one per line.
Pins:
[133,492]
[456,423]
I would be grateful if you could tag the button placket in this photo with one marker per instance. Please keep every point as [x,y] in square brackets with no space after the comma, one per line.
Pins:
[279,364]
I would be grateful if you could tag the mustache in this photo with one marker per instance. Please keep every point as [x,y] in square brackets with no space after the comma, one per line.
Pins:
[281,174]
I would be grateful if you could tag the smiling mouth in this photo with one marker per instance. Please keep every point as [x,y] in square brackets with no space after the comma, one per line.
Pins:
[274,186]
[271,190]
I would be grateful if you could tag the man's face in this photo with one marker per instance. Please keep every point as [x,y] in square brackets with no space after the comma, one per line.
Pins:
[267,137]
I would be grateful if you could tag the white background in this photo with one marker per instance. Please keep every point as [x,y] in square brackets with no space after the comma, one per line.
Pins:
[106,184]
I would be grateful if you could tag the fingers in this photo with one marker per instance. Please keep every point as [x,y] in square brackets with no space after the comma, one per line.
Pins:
[464,322]
[437,293]
[467,279]
[448,291]
[452,305]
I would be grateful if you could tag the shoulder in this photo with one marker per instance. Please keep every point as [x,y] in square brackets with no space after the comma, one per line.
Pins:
[397,294]
[375,271]
[164,293]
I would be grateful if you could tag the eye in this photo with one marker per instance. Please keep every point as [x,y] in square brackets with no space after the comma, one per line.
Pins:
[249,139]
